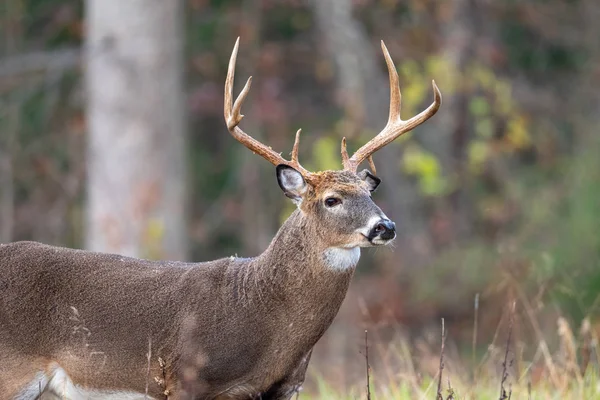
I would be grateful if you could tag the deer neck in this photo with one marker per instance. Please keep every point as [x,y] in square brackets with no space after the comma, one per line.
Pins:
[298,269]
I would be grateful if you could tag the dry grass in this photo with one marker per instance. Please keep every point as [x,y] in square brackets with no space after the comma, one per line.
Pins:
[570,370]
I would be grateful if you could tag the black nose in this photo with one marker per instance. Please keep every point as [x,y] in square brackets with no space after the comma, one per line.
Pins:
[385,229]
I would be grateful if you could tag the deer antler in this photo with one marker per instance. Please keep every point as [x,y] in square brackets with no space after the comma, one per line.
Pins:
[233,118]
[395,126]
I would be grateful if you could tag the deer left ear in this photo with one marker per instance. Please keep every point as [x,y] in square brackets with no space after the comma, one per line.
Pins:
[291,182]
[371,179]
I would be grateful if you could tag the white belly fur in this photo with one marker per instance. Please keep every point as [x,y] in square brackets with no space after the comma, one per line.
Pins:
[61,387]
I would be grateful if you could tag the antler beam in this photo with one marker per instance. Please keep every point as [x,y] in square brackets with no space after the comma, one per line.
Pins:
[395,126]
[233,117]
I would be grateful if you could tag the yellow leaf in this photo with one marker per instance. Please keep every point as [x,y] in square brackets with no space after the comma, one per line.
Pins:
[504,101]
[484,77]
[409,69]
[410,160]
[155,230]
[326,153]
[426,168]
[517,133]
[484,128]
[479,106]
[432,186]
[478,153]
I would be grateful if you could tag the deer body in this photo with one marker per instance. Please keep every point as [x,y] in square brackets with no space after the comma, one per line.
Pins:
[83,325]
[233,314]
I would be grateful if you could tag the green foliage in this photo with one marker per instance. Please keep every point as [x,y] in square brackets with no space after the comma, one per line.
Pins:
[500,128]
[478,153]
[153,238]
[547,55]
[425,166]
[284,22]
[326,153]
[574,262]
[59,23]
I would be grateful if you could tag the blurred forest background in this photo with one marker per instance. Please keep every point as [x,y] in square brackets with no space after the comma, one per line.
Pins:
[112,138]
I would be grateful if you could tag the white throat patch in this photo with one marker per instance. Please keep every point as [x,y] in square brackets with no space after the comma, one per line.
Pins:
[341,259]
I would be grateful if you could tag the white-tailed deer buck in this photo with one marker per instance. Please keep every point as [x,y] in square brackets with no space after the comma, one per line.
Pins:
[79,325]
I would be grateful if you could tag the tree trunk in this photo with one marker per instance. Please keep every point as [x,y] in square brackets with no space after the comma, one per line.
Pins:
[136,142]
[9,122]
[7,197]
[449,142]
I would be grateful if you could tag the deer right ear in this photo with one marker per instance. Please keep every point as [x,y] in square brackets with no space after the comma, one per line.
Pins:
[291,182]
[371,179]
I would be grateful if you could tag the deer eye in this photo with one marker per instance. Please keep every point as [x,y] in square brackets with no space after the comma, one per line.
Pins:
[332,201]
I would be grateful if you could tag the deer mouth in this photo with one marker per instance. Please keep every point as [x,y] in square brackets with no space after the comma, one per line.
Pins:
[382,242]
[376,241]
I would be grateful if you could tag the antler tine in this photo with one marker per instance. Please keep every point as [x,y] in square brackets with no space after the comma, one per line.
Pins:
[372,165]
[345,157]
[233,116]
[295,148]
[232,111]
[395,94]
[294,162]
[395,126]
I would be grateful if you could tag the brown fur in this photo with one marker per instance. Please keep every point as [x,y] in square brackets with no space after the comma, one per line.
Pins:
[232,328]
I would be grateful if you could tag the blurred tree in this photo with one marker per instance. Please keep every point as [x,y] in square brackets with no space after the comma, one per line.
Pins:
[450,143]
[9,115]
[136,147]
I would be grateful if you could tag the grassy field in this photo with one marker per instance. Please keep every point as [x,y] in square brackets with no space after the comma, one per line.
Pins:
[570,387]
[589,388]
[566,369]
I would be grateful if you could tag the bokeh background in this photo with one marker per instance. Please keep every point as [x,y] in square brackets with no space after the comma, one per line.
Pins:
[112,138]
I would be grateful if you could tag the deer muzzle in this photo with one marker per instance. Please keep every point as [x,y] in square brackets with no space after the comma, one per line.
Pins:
[382,232]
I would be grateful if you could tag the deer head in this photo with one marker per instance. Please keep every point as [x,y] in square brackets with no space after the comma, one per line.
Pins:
[340,201]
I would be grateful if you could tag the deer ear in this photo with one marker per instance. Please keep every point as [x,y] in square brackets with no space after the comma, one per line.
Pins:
[371,179]
[291,182]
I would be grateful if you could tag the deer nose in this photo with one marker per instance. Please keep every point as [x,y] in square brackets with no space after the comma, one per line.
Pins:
[384,229]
